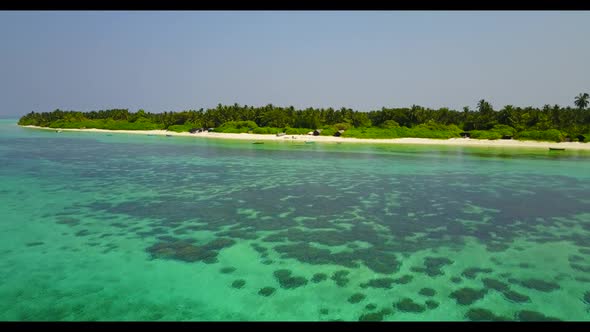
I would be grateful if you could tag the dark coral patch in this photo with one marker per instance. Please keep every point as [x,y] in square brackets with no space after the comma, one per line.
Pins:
[407,305]
[581,268]
[210,260]
[287,281]
[240,283]
[375,316]
[478,314]
[433,266]
[540,285]
[371,306]
[515,296]
[356,297]
[340,278]
[83,232]
[456,280]
[472,272]
[167,238]
[324,311]
[427,292]
[238,234]
[495,284]
[266,291]
[533,316]
[188,252]
[575,258]
[319,277]
[582,279]
[33,244]
[228,269]
[430,304]
[379,283]
[404,279]
[587,297]
[380,262]
[467,296]
[258,248]
[68,221]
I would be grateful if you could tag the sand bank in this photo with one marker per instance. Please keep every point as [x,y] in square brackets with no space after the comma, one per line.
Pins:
[331,139]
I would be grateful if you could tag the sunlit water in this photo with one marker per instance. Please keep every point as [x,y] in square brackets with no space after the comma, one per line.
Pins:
[101,226]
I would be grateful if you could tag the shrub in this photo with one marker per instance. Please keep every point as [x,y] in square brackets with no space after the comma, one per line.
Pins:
[342,126]
[180,128]
[297,131]
[389,124]
[267,130]
[485,134]
[553,135]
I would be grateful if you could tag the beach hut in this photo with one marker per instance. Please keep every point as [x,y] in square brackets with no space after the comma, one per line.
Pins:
[339,133]
[465,134]
[507,137]
[567,139]
[317,132]
[194,130]
[280,134]
[581,138]
[211,129]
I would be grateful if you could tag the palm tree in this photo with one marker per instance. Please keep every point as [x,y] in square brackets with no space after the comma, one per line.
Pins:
[483,106]
[582,100]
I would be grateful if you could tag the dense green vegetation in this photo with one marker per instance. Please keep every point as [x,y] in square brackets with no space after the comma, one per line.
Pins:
[550,123]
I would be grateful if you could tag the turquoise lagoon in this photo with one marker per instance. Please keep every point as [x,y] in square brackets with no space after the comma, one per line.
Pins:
[107,227]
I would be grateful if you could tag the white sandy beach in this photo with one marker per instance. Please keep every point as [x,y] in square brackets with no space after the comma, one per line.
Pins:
[331,139]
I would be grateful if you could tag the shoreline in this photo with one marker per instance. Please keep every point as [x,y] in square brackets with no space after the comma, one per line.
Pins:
[331,139]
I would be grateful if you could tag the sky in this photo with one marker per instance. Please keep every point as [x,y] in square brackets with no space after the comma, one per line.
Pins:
[177,60]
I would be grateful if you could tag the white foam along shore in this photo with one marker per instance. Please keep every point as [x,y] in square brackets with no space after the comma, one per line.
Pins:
[332,139]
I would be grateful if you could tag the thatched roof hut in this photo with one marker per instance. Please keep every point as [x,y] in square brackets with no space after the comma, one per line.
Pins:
[465,134]
[317,132]
[581,138]
[339,133]
[507,137]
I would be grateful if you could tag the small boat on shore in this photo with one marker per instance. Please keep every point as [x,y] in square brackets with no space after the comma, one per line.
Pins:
[58,131]
[556,149]
[168,135]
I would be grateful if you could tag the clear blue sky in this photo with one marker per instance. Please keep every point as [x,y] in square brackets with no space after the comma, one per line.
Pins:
[170,61]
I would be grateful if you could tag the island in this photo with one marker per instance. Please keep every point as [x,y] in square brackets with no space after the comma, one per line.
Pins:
[510,126]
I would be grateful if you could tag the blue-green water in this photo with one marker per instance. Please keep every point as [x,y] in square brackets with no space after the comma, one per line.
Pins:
[134,227]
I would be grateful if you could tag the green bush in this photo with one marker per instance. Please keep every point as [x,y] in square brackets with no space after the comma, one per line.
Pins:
[236,127]
[330,131]
[504,130]
[388,124]
[342,126]
[553,135]
[485,134]
[297,131]
[432,129]
[180,128]
[267,130]
[375,132]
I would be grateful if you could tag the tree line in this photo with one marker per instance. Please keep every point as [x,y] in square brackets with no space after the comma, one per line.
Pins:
[551,122]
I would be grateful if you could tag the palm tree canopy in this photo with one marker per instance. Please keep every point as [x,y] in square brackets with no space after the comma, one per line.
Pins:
[582,100]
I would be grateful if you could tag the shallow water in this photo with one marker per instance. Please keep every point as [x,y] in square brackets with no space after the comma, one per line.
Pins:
[134,227]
